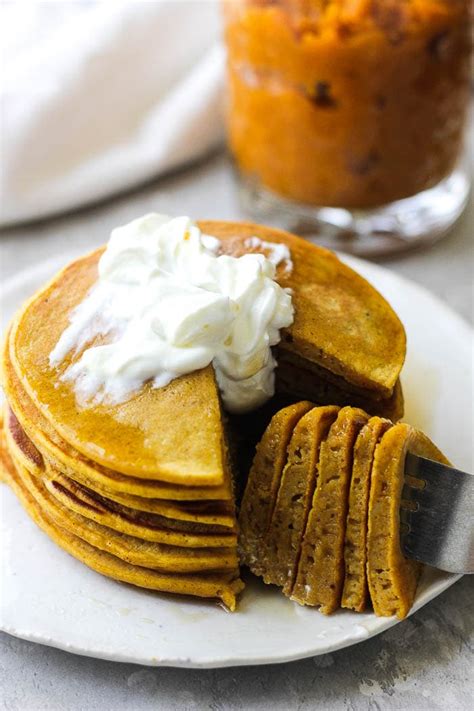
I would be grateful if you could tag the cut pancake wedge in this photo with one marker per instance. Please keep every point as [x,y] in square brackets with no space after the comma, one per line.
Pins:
[392,578]
[283,539]
[355,591]
[263,481]
[63,457]
[88,472]
[224,586]
[320,575]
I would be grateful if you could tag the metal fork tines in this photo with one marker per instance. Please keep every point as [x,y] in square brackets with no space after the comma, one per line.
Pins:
[437,515]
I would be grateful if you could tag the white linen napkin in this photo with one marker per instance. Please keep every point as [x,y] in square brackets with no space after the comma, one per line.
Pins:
[97,97]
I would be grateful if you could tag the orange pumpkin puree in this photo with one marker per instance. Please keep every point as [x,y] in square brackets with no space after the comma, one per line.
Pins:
[349,103]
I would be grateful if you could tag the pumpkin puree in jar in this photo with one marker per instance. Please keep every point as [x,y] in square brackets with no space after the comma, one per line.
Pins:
[347,103]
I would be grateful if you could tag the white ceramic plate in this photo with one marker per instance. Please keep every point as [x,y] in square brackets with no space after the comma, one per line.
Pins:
[49,597]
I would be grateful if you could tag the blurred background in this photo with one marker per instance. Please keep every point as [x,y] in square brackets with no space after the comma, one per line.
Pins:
[346,119]
[98,97]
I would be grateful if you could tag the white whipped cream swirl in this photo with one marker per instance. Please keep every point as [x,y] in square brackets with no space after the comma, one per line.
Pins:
[168,305]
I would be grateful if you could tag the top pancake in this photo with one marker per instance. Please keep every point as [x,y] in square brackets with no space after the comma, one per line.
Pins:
[341,322]
[175,434]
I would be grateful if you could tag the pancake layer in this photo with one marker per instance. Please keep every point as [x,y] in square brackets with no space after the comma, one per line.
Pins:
[355,592]
[321,567]
[298,482]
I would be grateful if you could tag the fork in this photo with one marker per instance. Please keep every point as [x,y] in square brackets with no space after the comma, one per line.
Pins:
[437,515]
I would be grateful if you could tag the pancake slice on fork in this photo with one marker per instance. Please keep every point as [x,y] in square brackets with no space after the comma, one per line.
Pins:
[320,575]
[355,591]
[393,578]
[283,539]
[264,480]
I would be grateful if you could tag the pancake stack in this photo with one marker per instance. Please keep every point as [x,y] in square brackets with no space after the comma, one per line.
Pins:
[144,491]
[320,513]
[149,532]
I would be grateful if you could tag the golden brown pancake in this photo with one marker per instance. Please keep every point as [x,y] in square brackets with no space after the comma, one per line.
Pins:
[78,467]
[392,578]
[355,591]
[341,324]
[151,435]
[169,445]
[224,586]
[320,575]
[174,532]
[132,550]
[283,539]
[212,513]
[263,482]
[218,515]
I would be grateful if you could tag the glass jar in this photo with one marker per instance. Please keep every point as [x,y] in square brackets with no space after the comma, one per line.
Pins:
[346,117]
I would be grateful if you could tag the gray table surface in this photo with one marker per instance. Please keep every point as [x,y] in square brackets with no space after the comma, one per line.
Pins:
[423,663]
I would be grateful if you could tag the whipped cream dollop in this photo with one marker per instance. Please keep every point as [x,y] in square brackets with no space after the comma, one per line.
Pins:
[168,304]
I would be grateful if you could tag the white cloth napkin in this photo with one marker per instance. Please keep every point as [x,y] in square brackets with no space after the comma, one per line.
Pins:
[97,97]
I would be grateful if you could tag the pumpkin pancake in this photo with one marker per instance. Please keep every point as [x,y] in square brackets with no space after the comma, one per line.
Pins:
[218,515]
[128,548]
[392,578]
[320,575]
[283,539]
[355,591]
[263,482]
[168,444]
[224,586]
[117,518]
[211,513]
[78,467]
[151,435]
[164,529]
[341,324]
[62,483]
